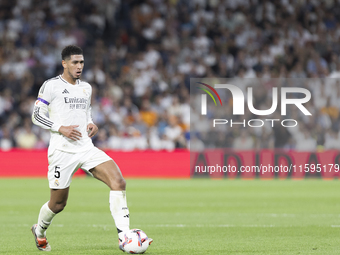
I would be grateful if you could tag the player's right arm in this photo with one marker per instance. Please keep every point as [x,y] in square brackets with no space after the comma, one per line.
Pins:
[39,116]
[41,105]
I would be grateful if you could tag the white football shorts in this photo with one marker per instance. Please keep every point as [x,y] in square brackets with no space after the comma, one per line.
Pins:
[62,165]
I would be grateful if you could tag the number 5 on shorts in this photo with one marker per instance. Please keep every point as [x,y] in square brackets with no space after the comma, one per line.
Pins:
[57,173]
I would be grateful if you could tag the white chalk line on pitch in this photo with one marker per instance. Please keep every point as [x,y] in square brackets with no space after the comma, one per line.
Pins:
[185,226]
[108,226]
[208,225]
[111,226]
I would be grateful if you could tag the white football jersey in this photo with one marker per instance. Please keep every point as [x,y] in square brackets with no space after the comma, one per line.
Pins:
[66,104]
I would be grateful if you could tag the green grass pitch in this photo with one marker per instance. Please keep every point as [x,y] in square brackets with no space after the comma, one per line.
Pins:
[192,216]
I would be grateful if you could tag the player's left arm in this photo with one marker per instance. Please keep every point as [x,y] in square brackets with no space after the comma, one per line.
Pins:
[91,129]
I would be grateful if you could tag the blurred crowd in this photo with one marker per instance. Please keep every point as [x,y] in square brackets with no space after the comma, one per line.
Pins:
[140,56]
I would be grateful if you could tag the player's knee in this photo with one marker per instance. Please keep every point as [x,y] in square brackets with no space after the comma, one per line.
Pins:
[118,184]
[58,207]
[122,184]
[61,206]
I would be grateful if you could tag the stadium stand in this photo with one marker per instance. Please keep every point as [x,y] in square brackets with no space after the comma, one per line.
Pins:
[140,56]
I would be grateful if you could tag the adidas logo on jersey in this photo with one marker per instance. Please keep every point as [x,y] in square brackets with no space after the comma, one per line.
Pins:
[65,91]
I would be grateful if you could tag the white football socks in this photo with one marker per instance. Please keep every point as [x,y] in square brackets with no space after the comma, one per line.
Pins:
[118,207]
[119,210]
[44,220]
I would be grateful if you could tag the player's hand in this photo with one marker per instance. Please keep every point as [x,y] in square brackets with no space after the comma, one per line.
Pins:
[70,132]
[93,129]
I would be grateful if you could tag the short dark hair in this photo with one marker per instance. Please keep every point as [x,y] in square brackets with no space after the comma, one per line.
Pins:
[71,50]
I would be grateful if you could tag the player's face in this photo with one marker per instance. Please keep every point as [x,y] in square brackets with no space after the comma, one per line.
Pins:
[75,66]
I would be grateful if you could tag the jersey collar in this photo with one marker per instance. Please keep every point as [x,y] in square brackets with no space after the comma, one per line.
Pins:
[77,82]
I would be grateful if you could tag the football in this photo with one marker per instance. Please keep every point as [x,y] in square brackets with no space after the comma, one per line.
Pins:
[135,241]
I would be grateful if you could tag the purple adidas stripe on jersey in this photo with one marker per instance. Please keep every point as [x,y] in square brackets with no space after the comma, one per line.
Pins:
[44,101]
